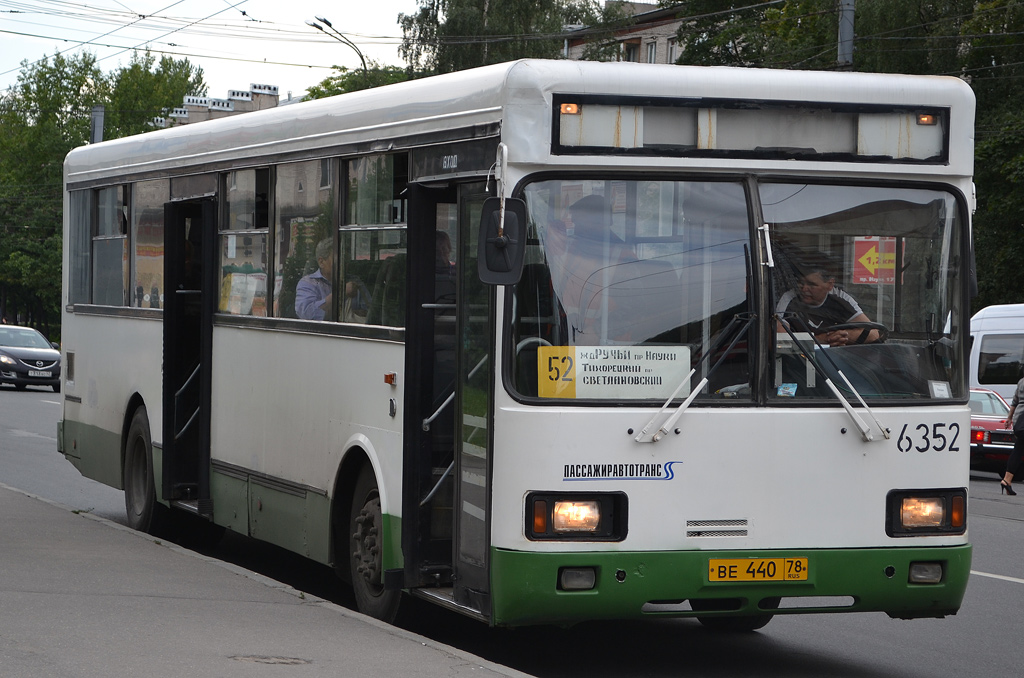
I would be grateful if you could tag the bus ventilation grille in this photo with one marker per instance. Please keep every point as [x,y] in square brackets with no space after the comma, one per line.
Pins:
[716,528]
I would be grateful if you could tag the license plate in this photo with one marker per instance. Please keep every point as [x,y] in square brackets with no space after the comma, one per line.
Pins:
[39,373]
[757,569]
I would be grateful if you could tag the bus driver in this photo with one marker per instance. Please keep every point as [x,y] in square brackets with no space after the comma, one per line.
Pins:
[817,304]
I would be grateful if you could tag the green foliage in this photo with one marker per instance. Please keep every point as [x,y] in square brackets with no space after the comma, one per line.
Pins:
[723,33]
[452,35]
[43,117]
[350,80]
[145,89]
[979,41]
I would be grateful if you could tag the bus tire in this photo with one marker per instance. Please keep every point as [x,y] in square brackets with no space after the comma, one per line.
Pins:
[144,512]
[366,551]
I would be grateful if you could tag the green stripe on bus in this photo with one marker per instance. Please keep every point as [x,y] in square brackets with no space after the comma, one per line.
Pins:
[95,452]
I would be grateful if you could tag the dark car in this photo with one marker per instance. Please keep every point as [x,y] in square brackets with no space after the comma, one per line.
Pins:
[28,359]
[991,441]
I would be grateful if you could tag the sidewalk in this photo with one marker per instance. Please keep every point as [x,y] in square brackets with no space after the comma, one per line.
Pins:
[82,597]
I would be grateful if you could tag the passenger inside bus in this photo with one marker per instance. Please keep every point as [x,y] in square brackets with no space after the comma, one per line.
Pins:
[313,296]
[589,267]
[357,301]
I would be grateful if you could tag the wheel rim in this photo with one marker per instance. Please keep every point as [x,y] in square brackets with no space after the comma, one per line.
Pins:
[366,551]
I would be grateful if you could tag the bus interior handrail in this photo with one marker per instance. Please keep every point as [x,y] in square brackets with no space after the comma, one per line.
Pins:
[451,397]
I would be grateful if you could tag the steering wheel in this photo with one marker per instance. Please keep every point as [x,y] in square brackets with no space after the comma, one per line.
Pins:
[883,331]
[530,341]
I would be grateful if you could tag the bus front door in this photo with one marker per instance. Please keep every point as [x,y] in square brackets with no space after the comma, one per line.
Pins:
[446,493]
[475,366]
[189,243]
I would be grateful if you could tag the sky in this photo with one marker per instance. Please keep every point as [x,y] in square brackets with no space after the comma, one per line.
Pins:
[236,42]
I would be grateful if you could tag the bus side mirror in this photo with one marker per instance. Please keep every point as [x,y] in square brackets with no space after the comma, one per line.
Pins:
[500,257]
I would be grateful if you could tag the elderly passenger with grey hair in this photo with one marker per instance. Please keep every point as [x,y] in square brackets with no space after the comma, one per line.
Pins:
[313,297]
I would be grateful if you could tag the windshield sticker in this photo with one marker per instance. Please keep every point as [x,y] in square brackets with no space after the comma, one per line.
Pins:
[580,472]
[624,372]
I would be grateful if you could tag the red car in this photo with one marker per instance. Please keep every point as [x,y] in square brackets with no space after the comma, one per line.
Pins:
[991,441]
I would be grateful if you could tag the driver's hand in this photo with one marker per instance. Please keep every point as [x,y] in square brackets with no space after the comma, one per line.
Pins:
[837,338]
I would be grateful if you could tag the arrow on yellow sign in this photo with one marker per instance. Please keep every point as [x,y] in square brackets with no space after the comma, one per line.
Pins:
[872,261]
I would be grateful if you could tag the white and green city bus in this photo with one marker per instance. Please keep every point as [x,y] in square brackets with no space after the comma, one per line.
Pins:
[534,341]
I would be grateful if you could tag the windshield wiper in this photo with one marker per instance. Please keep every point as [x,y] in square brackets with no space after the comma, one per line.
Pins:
[746,319]
[862,426]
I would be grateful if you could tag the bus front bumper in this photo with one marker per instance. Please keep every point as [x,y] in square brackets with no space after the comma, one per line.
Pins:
[526,589]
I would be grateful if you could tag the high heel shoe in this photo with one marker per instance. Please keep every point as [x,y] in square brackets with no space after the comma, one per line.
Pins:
[1007,488]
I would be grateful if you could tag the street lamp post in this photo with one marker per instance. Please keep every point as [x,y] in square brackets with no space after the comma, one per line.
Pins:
[337,35]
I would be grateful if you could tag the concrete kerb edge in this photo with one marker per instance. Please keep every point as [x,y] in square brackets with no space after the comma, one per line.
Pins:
[285,588]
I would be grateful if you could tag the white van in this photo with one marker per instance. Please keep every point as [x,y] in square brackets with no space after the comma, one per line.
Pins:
[997,349]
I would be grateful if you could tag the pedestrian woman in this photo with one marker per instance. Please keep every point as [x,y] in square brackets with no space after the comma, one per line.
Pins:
[1016,421]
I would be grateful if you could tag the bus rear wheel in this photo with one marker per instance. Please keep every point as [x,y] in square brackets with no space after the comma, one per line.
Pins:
[145,513]
[366,522]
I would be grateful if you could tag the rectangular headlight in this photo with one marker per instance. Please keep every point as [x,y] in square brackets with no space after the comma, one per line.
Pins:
[922,512]
[912,513]
[598,516]
[576,516]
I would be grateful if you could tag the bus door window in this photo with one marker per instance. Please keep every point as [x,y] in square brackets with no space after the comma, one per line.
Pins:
[445,298]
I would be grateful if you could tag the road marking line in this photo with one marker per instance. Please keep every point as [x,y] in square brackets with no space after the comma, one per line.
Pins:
[1015,580]
[21,433]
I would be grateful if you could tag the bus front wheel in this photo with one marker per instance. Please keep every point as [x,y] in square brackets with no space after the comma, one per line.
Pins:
[365,551]
[143,509]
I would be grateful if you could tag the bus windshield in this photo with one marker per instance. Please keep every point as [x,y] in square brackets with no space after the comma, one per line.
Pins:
[626,283]
[631,284]
[867,280]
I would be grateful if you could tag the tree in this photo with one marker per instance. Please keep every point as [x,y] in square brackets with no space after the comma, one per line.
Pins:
[994,65]
[979,41]
[722,33]
[350,80]
[44,116]
[145,89]
[453,35]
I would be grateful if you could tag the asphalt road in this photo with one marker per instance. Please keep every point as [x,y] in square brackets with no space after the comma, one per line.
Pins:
[982,640]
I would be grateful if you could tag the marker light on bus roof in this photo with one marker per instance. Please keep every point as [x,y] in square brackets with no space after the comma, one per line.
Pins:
[926,119]
[570,109]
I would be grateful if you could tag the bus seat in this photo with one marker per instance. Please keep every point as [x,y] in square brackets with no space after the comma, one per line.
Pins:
[387,303]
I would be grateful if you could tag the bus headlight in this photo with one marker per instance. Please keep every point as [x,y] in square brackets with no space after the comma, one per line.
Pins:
[911,513]
[927,512]
[589,517]
[576,516]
